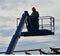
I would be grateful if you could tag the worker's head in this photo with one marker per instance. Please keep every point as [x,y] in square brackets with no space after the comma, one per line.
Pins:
[33,9]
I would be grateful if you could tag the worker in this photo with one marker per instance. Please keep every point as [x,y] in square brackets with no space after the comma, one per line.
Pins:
[34,17]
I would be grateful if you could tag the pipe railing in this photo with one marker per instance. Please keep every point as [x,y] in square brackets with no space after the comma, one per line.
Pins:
[42,25]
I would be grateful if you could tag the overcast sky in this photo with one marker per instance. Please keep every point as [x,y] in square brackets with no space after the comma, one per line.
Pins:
[11,9]
[14,8]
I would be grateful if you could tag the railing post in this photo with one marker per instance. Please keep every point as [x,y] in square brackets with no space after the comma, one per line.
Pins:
[42,23]
[53,24]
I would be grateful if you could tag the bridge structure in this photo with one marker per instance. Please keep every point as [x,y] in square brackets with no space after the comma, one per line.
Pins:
[53,51]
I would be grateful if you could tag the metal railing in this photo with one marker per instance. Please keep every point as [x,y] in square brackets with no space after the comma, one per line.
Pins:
[45,22]
[49,23]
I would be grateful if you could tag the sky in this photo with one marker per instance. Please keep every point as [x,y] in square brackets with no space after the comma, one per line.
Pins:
[10,10]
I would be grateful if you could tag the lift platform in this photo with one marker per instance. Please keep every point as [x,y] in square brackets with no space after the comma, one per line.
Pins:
[46,27]
[19,32]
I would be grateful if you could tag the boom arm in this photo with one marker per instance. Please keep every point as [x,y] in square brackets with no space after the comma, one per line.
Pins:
[16,35]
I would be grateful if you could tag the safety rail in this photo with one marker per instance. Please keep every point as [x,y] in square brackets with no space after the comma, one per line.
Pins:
[50,23]
[45,22]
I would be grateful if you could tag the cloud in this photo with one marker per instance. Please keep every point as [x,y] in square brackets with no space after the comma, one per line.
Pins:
[7,23]
[38,39]
[7,26]
[14,8]
[6,32]
[29,42]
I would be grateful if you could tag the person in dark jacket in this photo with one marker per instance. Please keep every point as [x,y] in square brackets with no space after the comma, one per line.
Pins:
[34,17]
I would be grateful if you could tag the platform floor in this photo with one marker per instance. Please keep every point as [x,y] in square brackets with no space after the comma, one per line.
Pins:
[38,33]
